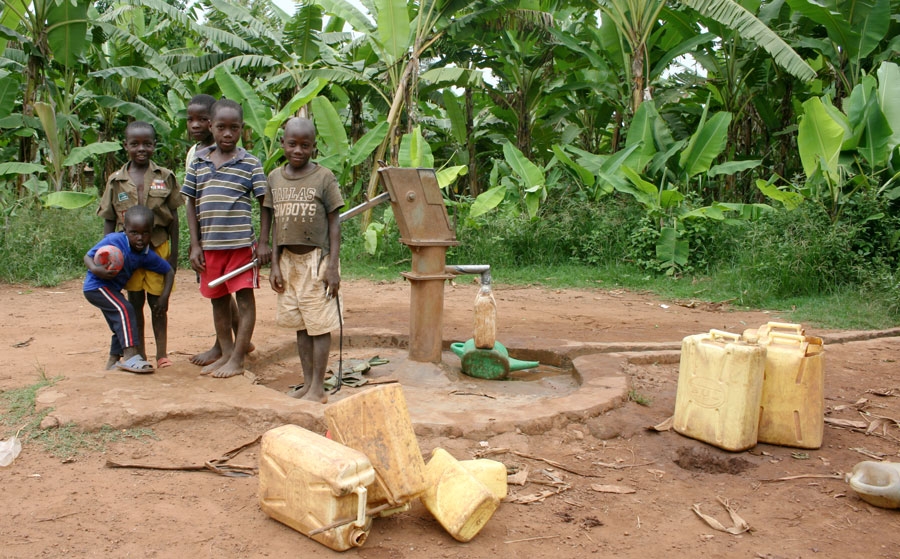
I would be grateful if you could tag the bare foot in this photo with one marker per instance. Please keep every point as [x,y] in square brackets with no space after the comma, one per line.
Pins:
[304,393]
[299,392]
[208,357]
[212,355]
[228,370]
[316,396]
[214,366]
[322,398]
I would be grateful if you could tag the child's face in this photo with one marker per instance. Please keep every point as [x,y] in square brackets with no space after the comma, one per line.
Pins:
[299,146]
[226,128]
[139,145]
[198,123]
[138,232]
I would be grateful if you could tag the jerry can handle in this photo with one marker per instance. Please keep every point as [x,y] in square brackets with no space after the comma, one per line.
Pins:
[783,335]
[786,326]
[360,507]
[723,334]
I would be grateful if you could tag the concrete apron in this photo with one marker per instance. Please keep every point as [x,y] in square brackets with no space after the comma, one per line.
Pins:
[441,401]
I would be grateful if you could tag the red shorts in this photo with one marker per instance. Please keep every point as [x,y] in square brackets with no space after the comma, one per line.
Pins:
[219,263]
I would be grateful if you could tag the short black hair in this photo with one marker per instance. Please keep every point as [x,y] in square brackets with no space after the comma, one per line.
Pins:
[139,213]
[136,125]
[226,104]
[203,100]
[303,124]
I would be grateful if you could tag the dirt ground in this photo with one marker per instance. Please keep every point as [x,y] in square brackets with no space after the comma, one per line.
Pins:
[80,508]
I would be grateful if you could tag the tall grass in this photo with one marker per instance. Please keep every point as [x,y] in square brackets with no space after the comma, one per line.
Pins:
[46,246]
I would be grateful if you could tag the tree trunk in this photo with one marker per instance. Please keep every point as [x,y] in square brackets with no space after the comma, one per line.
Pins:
[523,128]
[356,129]
[474,189]
[27,152]
[637,79]
[617,133]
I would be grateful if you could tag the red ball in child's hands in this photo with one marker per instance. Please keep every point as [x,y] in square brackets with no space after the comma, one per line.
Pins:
[110,257]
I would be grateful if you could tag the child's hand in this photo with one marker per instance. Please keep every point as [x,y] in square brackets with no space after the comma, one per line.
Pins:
[198,262]
[263,253]
[275,280]
[99,271]
[332,282]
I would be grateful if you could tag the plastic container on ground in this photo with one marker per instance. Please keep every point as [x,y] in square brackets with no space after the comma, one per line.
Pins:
[753,335]
[376,422]
[489,472]
[792,407]
[877,483]
[456,498]
[719,389]
[308,482]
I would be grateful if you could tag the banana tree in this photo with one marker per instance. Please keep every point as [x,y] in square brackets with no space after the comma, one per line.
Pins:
[58,162]
[637,20]
[399,34]
[521,181]
[667,176]
[46,31]
[845,152]
[854,29]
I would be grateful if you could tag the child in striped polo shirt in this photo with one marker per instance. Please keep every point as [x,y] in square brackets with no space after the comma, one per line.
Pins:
[220,184]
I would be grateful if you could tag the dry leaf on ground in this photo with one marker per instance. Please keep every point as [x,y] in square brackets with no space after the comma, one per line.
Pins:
[848,423]
[739,524]
[880,425]
[664,426]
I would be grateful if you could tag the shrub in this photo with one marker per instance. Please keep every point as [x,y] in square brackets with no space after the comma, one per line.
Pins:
[803,253]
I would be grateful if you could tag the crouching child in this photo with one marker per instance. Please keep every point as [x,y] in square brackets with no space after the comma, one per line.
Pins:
[103,288]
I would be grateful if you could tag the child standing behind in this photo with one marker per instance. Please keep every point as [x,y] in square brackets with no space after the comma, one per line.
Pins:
[306,200]
[143,182]
[219,186]
[198,113]
[103,288]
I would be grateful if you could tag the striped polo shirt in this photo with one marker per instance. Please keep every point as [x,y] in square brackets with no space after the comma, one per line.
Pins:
[223,197]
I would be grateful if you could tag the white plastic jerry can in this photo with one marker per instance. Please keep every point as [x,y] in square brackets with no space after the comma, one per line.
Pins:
[719,389]
[309,482]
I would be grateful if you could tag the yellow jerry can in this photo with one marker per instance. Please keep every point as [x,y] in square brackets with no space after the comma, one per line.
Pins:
[719,389]
[456,498]
[376,422]
[792,408]
[309,482]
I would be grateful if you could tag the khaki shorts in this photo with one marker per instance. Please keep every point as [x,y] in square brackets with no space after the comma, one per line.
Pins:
[145,280]
[303,305]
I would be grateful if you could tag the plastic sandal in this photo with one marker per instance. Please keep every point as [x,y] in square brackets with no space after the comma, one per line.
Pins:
[136,364]
[163,362]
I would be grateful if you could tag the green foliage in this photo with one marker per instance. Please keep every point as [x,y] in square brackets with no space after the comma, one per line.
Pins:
[47,246]
[801,253]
